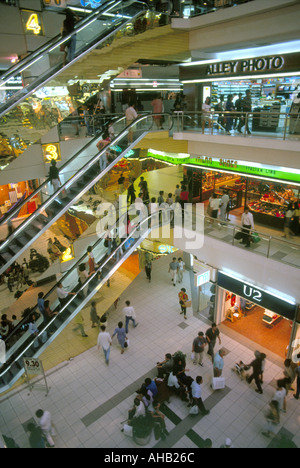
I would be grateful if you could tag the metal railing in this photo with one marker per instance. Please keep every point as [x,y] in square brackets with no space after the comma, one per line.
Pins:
[283,125]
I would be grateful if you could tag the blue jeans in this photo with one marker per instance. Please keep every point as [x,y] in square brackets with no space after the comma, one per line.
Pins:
[127,322]
[106,354]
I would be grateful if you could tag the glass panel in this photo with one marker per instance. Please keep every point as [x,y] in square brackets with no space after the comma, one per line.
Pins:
[34,116]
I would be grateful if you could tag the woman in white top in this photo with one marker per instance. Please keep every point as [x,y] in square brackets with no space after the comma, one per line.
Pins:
[206,109]
[248,224]
[130,115]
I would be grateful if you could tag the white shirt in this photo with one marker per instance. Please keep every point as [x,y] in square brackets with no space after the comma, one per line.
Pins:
[196,389]
[206,107]
[247,219]
[61,293]
[215,203]
[181,265]
[129,312]
[104,340]
[45,422]
[130,113]
[279,397]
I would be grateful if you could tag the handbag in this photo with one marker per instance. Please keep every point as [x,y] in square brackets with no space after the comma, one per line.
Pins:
[194,410]
[255,237]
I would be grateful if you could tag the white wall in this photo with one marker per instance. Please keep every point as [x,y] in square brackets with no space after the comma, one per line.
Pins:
[265,273]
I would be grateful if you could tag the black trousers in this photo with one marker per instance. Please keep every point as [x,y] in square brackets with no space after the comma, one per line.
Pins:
[246,234]
[256,379]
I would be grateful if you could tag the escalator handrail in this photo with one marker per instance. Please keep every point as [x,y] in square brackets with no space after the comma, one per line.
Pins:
[97,270]
[73,179]
[12,212]
[55,41]
[19,96]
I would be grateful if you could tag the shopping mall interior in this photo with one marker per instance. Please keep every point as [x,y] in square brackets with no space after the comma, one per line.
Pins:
[149,131]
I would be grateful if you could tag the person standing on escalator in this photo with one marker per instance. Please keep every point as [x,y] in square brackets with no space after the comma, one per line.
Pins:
[68,28]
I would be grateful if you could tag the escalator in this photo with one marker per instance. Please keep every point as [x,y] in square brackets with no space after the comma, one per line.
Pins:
[27,115]
[80,180]
[27,345]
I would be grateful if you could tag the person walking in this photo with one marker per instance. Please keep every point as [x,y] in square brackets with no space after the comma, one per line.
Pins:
[198,348]
[183,298]
[247,225]
[45,423]
[256,371]
[219,363]
[289,213]
[212,334]
[68,28]
[214,206]
[181,269]
[229,117]
[297,394]
[206,110]
[36,436]
[246,106]
[280,395]
[196,392]
[223,205]
[272,416]
[148,270]
[95,319]
[121,336]
[157,106]
[173,269]
[131,192]
[129,314]
[104,340]
[130,115]
[238,108]
[79,320]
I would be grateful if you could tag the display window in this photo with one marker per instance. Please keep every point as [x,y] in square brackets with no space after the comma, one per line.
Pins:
[263,326]
[11,194]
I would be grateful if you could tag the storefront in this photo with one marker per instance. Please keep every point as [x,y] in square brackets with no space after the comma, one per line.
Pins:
[10,194]
[274,82]
[261,316]
[267,190]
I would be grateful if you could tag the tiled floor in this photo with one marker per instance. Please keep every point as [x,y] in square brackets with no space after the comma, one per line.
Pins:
[88,400]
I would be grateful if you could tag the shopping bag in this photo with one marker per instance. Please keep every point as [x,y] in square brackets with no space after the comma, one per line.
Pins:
[238,236]
[188,304]
[255,237]
[218,383]
[194,410]
[128,430]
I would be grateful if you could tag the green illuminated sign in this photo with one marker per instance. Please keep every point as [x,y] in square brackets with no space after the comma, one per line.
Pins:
[240,167]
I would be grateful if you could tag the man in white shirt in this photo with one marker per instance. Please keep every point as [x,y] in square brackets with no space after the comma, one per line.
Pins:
[104,340]
[248,224]
[223,205]
[45,423]
[130,115]
[129,313]
[181,269]
[197,393]
[62,294]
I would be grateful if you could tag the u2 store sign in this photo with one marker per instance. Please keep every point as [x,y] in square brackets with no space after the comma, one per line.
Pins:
[258,296]
[254,294]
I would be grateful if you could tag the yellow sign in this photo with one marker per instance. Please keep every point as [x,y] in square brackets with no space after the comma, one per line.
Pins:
[33,24]
[67,255]
[51,151]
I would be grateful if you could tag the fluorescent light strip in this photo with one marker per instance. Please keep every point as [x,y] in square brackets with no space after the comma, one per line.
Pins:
[157,88]
[238,78]
[243,174]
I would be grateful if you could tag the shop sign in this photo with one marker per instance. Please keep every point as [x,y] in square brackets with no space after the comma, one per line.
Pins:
[51,151]
[67,255]
[270,64]
[202,278]
[257,296]
[166,249]
[240,167]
